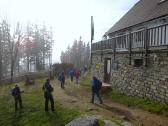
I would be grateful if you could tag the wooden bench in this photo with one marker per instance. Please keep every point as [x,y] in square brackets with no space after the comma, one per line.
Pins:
[30,80]
[105,88]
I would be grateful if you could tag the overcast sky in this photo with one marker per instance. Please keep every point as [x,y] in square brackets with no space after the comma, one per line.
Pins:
[69,19]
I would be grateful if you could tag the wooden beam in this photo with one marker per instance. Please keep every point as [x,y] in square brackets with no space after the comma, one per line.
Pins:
[130,47]
[146,46]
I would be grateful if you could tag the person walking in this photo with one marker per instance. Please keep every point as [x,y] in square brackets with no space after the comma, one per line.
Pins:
[16,93]
[62,79]
[96,86]
[71,73]
[85,71]
[77,75]
[48,89]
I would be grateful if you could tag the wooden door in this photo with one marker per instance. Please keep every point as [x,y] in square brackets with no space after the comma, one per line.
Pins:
[107,70]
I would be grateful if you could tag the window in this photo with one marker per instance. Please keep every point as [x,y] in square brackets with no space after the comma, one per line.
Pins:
[138,62]
[115,64]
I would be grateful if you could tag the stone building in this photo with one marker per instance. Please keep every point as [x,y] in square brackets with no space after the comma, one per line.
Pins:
[133,56]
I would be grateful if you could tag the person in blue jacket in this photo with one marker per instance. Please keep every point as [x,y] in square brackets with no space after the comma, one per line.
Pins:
[96,86]
[62,79]
[72,73]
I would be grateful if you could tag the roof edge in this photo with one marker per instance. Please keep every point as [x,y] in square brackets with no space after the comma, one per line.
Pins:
[135,24]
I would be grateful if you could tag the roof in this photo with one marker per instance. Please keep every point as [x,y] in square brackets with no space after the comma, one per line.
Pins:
[142,11]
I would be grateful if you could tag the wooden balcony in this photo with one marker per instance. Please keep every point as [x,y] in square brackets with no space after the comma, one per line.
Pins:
[146,40]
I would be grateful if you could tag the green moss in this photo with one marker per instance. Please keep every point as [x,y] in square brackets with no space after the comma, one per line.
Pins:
[101,122]
[145,104]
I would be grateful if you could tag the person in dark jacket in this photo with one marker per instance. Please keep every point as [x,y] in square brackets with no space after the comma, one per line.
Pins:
[48,89]
[62,79]
[96,86]
[17,97]
[71,73]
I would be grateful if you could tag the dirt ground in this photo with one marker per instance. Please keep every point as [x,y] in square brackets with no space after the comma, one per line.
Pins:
[76,96]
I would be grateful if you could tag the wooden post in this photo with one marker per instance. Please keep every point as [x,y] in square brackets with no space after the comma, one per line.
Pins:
[114,48]
[146,44]
[91,53]
[101,52]
[130,48]
[92,37]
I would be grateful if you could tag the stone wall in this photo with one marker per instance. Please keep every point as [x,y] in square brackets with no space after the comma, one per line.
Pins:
[97,66]
[149,82]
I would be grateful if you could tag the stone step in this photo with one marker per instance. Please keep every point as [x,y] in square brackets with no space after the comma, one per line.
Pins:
[84,121]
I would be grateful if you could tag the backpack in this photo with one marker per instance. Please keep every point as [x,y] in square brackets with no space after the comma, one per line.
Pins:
[14,92]
[99,84]
[49,88]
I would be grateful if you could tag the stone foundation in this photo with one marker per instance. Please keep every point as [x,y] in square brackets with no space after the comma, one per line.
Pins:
[146,82]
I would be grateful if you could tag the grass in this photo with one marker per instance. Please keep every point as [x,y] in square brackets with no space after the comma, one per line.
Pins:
[33,113]
[86,82]
[101,122]
[145,104]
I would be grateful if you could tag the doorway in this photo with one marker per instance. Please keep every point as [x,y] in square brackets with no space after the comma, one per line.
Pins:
[107,70]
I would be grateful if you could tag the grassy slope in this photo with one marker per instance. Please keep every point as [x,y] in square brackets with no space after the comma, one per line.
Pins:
[33,112]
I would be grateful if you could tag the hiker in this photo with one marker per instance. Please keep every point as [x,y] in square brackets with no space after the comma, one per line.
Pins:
[48,89]
[85,71]
[16,93]
[62,79]
[59,77]
[77,75]
[71,73]
[96,86]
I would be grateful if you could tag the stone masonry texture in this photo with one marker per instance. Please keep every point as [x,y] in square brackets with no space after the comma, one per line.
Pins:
[146,82]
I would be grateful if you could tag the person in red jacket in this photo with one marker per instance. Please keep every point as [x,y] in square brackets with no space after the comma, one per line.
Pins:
[77,75]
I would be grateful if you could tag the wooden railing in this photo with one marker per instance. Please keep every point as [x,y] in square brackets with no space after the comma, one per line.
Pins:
[144,39]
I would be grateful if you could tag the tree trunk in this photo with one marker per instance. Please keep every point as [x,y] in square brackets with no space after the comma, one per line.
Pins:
[12,71]
[0,67]
[28,64]
[0,61]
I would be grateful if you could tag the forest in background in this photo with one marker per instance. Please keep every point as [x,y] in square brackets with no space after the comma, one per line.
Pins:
[24,49]
[78,54]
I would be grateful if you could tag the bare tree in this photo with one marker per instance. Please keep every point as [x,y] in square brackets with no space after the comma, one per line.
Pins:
[19,50]
[5,62]
[14,44]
